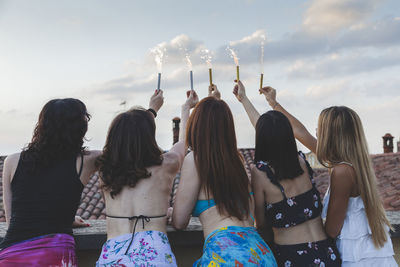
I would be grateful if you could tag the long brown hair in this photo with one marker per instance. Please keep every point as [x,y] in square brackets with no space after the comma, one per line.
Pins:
[211,135]
[130,148]
[341,138]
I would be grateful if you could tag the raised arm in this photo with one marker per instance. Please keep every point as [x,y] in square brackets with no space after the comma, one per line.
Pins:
[300,132]
[187,193]
[240,92]
[179,149]
[156,102]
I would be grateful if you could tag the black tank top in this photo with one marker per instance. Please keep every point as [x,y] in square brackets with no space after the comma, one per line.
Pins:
[43,202]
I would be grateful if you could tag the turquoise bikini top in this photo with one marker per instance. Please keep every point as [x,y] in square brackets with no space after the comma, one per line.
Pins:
[203,205]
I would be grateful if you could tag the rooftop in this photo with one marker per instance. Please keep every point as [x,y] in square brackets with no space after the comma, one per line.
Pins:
[387,168]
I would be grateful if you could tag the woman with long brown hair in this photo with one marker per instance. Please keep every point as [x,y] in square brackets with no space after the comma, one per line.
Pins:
[354,213]
[286,197]
[214,186]
[42,187]
[136,178]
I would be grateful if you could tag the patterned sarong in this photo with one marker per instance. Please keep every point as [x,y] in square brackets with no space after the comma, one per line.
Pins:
[149,248]
[320,253]
[55,250]
[235,246]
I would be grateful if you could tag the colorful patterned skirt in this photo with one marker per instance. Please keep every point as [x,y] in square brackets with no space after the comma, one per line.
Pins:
[312,254]
[149,248]
[55,250]
[235,246]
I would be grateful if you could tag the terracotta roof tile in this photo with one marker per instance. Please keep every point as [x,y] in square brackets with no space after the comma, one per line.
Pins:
[387,168]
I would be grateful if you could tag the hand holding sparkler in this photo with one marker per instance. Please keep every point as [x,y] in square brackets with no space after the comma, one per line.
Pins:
[192,99]
[239,90]
[213,91]
[156,100]
[270,95]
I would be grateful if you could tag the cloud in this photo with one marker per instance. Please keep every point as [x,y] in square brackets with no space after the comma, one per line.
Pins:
[361,47]
[379,34]
[325,91]
[327,16]
[175,72]
[343,64]
[383,87]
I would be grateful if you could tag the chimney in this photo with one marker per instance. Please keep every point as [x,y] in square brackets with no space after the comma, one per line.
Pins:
[175,128]
[387,143]
[398,146]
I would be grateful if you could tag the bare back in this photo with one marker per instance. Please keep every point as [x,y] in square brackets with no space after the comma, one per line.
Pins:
[211,219]
[150,197]
[189,192]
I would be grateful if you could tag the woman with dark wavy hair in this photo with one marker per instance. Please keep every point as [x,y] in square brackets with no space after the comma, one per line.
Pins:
[42,188]
[215,187]
[137,179]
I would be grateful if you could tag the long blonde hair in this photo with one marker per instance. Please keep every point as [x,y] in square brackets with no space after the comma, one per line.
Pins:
[341,138]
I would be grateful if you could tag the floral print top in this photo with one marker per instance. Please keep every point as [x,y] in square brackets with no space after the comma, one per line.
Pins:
[294,210]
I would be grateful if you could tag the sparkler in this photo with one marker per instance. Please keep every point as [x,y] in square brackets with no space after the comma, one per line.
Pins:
[158,52]
[236,59]
[206,55]
[191,80]
[189,64]
[262,60]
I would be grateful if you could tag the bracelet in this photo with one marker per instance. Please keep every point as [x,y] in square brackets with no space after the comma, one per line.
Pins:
[276,103]
[153,111]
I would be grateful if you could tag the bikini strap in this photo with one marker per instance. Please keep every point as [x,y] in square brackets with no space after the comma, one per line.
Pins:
[136,218]
[264,166]
[310,170]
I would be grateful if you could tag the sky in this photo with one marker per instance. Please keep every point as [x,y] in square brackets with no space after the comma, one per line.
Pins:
[317,53]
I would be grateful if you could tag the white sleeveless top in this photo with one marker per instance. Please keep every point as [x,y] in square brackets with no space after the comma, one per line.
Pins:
[355,242]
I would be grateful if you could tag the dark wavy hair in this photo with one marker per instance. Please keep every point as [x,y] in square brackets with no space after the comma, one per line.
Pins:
[275,144]
[130,148]
[59,132]
[210,134]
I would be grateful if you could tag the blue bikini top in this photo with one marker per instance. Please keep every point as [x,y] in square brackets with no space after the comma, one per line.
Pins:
[203,205]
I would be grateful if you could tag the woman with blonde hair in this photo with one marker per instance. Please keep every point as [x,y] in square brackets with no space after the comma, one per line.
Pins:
[354,213]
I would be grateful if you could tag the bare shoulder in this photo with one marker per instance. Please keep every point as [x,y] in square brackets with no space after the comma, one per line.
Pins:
[343,173]
[189,164]
[11,161]
[343,179]
[170,157]
[12,158]
[302,162]
[257,176]
[171,161]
